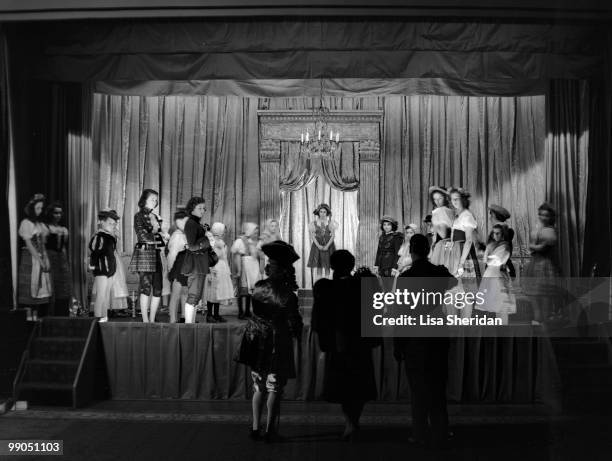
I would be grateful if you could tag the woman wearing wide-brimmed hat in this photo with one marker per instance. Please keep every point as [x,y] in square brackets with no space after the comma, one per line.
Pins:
[442,218]
[322,232]
[389,244]
[267,344]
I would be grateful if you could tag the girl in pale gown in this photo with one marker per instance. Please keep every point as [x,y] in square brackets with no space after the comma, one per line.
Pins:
[405,261]
[542,269]
[496,284]
[248,266]
[442,218]
[271,232]
[460,251]
[218,288]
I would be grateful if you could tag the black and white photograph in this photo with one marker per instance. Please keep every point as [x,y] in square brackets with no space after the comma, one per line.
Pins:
[306,230]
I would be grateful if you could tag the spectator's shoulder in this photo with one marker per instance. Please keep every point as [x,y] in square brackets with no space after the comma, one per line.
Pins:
[441,271]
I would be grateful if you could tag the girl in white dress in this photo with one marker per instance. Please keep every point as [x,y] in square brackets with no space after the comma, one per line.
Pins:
[462,261]
[460,250]
[442,218]
[218,288]
[248,266]
[497,284]
[271,232]
[405,261]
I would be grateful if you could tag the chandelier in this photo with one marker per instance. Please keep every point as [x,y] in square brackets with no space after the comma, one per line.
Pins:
[322,142]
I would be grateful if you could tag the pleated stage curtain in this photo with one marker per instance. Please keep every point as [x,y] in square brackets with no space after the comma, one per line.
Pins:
[178,361]
[566,166]
[8,213]
[493,147]
[181,147]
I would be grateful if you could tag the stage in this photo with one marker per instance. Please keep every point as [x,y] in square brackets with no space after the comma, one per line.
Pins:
[195,362]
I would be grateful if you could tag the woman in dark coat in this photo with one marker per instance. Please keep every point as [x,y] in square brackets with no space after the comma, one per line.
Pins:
[349,369]
[267,345]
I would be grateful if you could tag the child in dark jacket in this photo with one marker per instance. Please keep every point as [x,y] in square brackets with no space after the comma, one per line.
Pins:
[109,288]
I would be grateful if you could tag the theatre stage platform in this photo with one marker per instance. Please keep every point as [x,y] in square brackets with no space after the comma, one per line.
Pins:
[196,362]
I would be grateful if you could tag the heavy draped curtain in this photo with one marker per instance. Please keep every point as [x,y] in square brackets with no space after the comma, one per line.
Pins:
[341,171]
[8,213]
[181,147]
[566,166]
[493,147]
[304,184]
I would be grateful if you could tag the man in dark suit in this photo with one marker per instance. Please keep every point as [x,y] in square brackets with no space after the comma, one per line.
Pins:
[426,359]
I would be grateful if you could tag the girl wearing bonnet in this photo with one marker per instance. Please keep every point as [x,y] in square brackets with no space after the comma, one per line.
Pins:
[248,266]
[218,288]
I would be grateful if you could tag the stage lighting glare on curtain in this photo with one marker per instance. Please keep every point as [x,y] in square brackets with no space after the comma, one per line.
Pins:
[322,143]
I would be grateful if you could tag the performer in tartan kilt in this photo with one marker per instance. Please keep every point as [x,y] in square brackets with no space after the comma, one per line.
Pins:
[148,260]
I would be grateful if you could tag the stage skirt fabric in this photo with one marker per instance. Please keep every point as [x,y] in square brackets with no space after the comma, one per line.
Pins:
[60,274]
[219,287]
[250,274]
[440,254]
[319,259]
[32,279]
[453,259]
[538,274]
[196,361]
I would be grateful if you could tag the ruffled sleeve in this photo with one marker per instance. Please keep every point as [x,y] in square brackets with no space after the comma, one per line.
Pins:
[27,229]
[466,221]
[442,216]
[239,247]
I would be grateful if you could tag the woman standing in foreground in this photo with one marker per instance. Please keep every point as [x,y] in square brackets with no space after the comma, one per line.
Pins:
[267,344]
[349,369]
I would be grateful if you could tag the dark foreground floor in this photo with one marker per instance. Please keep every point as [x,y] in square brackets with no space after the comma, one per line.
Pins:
[98,436]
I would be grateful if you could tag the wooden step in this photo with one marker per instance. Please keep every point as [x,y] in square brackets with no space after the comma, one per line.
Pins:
[65,327]
[51,371]
[57,348]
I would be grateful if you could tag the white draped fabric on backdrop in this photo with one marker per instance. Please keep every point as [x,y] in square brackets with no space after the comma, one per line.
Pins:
[297,212]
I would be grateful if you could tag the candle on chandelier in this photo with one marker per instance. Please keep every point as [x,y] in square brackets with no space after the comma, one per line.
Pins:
[331,135]
[302,138]
[319,135]
[307,136]
[337,137]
